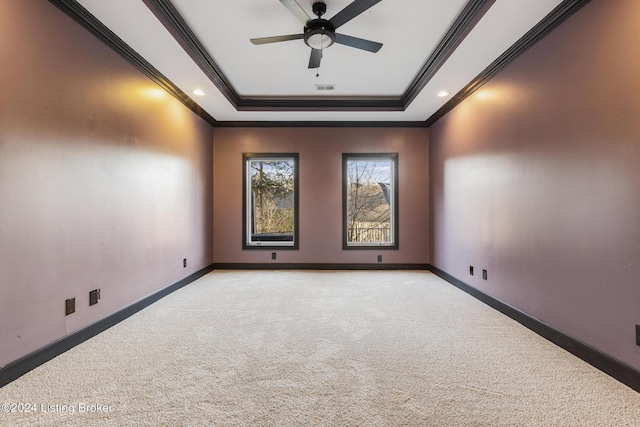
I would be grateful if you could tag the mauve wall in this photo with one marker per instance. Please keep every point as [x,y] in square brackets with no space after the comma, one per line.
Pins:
[105,180]
[320,196]
[536,177]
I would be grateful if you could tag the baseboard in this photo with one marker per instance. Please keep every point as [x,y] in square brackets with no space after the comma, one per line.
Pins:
[610,366]
[31,361]
[316,266]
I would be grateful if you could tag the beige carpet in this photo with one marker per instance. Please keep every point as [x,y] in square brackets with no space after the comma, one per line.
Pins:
[301,348]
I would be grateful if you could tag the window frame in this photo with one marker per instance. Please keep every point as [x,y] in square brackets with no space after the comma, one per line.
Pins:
[247,243]
[394,199]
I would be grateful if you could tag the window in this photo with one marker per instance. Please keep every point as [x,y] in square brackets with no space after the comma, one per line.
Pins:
[370,201]
[270,201]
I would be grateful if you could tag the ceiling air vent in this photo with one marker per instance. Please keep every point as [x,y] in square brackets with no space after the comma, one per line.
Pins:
[325,87]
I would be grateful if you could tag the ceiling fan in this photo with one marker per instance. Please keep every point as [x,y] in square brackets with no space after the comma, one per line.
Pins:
[320,33]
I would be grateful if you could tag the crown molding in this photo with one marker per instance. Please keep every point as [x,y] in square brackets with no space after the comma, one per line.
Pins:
[79,14]
[320,124]
[557,16]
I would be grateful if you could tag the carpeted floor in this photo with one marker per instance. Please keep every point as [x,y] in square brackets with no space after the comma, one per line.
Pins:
[313,348]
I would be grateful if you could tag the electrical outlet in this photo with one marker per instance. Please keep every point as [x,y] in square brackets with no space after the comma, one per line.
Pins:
[184,263]
[274,255]
[94,297]
[379,258]
[471,270]
[484,274]
[69,306]
[637,334]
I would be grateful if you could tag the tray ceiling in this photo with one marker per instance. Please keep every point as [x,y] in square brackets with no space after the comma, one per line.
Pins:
[429,46]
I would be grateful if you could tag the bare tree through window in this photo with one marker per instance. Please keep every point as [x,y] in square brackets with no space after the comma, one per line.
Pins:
[270,200]
[369,200]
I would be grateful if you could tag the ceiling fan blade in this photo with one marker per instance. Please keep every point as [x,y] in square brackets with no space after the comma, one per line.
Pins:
[358,43]
[351,11]
[276,39]
[316,56]
[297,11]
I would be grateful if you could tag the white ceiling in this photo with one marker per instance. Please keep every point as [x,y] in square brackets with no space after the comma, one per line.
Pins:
[410,30]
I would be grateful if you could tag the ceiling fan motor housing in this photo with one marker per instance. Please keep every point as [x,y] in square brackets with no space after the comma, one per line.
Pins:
[319,33]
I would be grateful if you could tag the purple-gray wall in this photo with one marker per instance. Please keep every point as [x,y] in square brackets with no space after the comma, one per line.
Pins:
[320,195]
[108,182]
[536,178]
[105,180]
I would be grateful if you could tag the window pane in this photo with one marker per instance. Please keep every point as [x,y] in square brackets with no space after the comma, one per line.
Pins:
[270,203]
[369,201]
